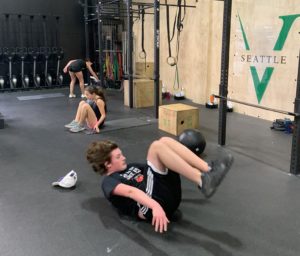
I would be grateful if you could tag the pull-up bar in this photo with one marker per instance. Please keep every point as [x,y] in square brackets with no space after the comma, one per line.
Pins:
[258,106]
[107,9]
[175,5]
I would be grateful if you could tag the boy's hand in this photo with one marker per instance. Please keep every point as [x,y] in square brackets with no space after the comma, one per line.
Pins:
[159,219]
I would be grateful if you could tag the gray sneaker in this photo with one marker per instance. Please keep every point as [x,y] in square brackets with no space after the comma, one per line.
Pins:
[72,124]
[211,180]
[77,128]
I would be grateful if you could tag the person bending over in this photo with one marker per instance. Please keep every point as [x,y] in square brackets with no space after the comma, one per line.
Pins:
[152,191]
[92,114]
[75,68]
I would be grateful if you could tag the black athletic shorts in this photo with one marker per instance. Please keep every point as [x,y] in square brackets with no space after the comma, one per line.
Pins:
[163,187]
[77,66]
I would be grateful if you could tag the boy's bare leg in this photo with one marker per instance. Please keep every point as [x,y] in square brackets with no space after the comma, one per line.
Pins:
[162,157]
[186,154]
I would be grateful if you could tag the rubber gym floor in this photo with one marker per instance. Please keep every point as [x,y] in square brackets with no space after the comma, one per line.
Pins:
[254,212]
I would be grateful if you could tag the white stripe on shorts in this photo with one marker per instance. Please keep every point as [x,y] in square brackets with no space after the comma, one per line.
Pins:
[149,189]
[165,172]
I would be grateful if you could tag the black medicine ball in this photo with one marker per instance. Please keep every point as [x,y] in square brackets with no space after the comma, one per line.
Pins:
[193,139]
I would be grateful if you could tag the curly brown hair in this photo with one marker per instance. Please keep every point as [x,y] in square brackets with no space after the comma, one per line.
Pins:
[98,153]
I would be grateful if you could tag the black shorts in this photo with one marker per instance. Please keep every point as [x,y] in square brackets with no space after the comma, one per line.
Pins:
[74,69]
[165,188]
[77,66]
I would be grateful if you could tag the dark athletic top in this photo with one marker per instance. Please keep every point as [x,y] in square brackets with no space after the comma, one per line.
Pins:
[165,189]
[77,66]
[96,110]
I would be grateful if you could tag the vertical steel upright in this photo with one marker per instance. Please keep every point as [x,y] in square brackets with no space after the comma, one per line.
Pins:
[295,154]
[156,55]
[100,43]
[86,29]
[87,34]
[223,90]
[130,50]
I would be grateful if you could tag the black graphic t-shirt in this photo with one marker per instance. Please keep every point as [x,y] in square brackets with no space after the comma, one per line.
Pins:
[134,175]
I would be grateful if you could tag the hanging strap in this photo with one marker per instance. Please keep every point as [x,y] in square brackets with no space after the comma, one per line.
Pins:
[170,60]
[178,25]
[180,17]
[176,79]
[143,54]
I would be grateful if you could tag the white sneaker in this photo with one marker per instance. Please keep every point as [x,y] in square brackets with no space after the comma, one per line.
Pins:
[72,96]
[83,96]
[72,124]
[77,128]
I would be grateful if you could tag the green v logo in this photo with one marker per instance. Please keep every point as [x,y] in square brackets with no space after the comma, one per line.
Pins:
[261,85]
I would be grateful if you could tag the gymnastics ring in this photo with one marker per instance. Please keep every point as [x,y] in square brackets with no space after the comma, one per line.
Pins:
[172,61]
[143,55]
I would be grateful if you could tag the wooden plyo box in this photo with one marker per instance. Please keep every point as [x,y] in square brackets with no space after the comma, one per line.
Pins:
[143,69]
[143,93]
[175,118]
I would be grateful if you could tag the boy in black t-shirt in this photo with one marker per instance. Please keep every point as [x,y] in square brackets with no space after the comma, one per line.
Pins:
[152,191]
